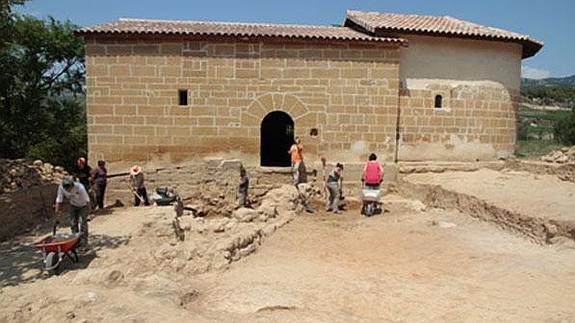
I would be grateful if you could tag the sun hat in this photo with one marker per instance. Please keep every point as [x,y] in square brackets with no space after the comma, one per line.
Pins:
[135,170]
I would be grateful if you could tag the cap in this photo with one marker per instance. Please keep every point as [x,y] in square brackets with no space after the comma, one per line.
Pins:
[67,181]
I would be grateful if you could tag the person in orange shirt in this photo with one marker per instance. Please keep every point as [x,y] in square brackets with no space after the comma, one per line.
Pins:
[296,158]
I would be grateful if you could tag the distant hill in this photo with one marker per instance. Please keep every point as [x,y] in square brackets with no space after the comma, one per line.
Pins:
[568,80]
[559,91]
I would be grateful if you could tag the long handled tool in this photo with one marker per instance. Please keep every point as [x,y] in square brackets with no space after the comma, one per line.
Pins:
[138,196]
[323,173]
[136,193]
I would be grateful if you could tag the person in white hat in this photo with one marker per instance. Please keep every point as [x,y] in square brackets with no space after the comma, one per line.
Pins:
[137,185]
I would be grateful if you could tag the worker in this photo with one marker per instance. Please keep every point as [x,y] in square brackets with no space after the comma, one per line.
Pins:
[243,188]
[334,187]
[79,207]
[137,186]
[100,180]
[296,153]
[372,173]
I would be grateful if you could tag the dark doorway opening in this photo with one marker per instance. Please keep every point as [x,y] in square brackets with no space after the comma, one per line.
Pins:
[276,135]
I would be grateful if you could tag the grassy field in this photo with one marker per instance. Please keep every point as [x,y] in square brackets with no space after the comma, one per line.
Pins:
[528,146]
[528,113]
[533,149]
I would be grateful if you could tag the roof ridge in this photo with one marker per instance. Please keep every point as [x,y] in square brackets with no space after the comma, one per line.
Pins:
[396,14]
[229,23]
[518,35]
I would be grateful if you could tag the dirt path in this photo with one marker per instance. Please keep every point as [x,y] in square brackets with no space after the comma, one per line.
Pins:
[405,265]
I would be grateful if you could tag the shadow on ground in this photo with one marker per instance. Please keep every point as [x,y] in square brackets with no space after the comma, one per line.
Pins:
[21,263]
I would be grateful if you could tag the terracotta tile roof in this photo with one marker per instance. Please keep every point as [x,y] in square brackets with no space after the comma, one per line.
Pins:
[174,27]
[377,23]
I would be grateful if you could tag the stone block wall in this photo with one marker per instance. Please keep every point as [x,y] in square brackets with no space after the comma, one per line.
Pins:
[347,91]
[477,121]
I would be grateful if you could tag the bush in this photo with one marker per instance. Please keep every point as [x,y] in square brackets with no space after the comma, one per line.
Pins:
[564,130]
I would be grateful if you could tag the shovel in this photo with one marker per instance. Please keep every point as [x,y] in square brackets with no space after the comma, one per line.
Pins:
[138,196]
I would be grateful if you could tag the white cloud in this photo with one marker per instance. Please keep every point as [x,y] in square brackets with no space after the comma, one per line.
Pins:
[534,73]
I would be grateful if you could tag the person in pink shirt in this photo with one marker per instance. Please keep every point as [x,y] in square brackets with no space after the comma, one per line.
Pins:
[372,173]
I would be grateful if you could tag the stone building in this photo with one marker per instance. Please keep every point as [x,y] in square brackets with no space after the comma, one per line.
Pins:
[406,87]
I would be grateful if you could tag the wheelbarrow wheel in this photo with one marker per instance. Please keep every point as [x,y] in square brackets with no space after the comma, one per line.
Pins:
[51,262]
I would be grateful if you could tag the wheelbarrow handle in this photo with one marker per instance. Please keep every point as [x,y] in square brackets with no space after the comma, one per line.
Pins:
[56,223]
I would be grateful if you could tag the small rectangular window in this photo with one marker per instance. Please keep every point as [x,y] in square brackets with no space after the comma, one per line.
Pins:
[183,97]
[438,101]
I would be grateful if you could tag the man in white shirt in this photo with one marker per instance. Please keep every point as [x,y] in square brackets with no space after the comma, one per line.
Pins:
[79,206]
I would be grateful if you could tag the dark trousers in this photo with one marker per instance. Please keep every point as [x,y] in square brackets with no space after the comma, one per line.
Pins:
[101,191]
[243,199]
[143,194]
[78,222]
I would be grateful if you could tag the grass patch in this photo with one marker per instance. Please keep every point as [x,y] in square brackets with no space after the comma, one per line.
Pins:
[525,112]
[533,149]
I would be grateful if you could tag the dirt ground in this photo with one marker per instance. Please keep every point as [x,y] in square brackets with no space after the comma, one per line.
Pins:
[408,264]
[540,196]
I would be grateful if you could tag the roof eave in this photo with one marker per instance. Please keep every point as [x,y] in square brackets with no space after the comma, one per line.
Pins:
[388,41]
[530,48]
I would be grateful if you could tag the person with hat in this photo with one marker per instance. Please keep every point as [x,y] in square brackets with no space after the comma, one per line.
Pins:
[137,186]
[79,200]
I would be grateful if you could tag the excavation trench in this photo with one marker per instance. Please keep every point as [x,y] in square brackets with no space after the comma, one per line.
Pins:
[538,230]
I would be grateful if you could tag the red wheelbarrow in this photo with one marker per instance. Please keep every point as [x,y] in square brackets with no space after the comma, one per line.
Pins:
[56,247]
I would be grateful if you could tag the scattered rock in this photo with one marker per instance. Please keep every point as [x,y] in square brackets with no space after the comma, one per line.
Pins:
[247,250]
[550,232]
[113,278]
[185,223]
[189,298]
[560,156]
[234,164]
[443,224]
[446,225]
[88,298]
[244,214]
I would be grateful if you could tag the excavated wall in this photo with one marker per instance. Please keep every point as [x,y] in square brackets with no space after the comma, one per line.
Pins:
[539,230]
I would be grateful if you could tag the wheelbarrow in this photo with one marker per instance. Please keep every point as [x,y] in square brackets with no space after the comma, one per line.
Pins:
[56,247]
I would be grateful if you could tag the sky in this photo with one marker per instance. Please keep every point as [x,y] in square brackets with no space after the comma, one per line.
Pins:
[549,21]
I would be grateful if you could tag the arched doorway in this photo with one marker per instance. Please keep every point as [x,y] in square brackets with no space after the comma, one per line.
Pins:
[276,137]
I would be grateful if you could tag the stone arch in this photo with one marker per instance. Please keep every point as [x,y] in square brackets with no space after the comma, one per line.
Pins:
[267,103]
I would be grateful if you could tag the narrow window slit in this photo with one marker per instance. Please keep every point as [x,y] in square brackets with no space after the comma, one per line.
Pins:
[183,97]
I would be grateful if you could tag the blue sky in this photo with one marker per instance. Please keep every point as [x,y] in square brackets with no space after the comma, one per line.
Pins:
[550,21]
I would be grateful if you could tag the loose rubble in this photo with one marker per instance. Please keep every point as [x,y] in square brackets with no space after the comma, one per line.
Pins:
[561,156]
[220,240]
[20,174]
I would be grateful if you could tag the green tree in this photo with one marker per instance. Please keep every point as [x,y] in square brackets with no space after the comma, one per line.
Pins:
[42,112]
[5,19]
